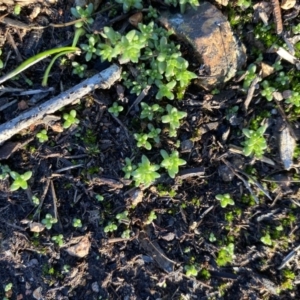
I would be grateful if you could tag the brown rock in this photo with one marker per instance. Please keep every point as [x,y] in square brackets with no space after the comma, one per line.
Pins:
[81,248]
[216,48]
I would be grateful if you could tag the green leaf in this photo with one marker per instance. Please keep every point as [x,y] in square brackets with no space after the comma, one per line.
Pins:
[164,154]
[14,175]
[27,175]
[23,184]
[262,129]
[166,119]
[15,186]
[246,132]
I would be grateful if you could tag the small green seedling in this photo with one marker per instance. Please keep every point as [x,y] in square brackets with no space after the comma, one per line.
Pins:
[182,4]
[149,111]
[49,221]
[289,280]
[231,112]
[70,119]
[91,48]
[267,91]
[225,200]
[110,227]
[42,136]
[142,140]
[128,168]
[244,4]
[17,9]
[123,217]
[58,239]
[5,170]
[204,273]
[250,76]
[79,69]
[255,143]
[190,271]
[225,255]
[154,133]
[20,181]
[294,99]
[35,200]
[145,173]
[99,197]
[8,287]
[165,90]
[84,14]
[277,65]
[77,223]
[152,13]
[173,118]
[115,109]
[152,216]
[266,239]
[129,4]
[282,79]
[126,234]
[171,162]
[212,237]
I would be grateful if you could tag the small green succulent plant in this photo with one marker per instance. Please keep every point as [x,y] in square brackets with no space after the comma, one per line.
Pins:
[129,4]
[48,221]
[267,90]
[152,216]
[42,136]
[255,143]
[225,255]
[183,3]
[70,119]
[173,118]
[190,270]
[85,14]
[5,170]
[225,200]
[266,239]
[294,99]
[58,239]
[123,217]
[250,76]
[77,223]
[142,140]
[128,168]
[115,109]
[110,227]
[171,162]
[145,173]
[79,69]
[149,111]
[20,180]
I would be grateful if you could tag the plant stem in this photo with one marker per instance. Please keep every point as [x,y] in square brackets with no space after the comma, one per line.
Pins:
[78,33]
[33,60]
[46,74]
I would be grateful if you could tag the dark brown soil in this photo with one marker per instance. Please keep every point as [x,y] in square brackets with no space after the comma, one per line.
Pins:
[76,165]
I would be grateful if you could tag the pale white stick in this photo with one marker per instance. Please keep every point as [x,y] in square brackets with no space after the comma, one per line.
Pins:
[103,80]
[287,56]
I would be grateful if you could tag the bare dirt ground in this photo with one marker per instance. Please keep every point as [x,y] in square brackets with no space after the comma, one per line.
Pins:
[76,166]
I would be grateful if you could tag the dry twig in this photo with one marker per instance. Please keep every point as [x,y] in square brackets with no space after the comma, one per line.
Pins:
[102,80]
[277,16]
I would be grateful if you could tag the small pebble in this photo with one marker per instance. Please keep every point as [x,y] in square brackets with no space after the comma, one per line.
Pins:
[225,173]
[95,287]
[186,146]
